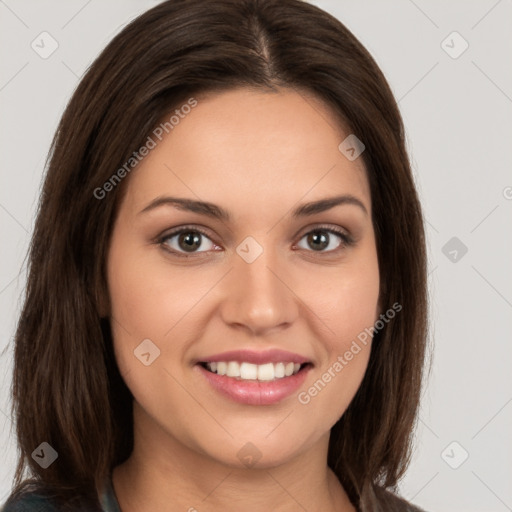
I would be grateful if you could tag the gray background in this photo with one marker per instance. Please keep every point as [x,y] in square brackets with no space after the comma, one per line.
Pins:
[457,111]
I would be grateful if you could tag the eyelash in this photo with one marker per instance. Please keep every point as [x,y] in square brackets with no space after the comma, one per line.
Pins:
[347,240]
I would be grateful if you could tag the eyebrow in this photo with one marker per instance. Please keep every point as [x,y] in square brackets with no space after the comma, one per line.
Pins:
[216,212]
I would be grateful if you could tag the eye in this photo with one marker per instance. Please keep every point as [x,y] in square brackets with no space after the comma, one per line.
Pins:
[186,240]
[321,239]
[189,240]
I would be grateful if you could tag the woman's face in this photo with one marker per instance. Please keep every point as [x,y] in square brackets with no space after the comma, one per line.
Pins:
[271,278]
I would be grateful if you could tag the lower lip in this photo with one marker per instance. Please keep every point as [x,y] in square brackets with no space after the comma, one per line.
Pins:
[253,392]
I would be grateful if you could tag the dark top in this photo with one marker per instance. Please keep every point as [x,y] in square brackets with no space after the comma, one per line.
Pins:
[34,502]
[384,501]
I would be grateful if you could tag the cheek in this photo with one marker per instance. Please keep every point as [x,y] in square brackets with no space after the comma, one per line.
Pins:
[139,301]
[151,300]
[147,303]
[346,299]
[357,311]
[148,297]
[348,307]
[137,306]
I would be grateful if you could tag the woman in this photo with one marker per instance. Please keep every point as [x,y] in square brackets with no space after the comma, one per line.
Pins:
[226,300]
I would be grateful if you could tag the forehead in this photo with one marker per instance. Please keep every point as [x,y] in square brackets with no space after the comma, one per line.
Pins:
[251,149]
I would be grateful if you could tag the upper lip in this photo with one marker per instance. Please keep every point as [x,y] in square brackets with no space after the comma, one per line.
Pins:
[257,357]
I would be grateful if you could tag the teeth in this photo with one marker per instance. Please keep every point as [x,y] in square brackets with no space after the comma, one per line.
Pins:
[221,368]
[266,371]
[249,371]
[279,370]
[233,369]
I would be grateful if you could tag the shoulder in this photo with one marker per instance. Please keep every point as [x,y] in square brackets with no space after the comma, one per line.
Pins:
[388,501]
[28,502]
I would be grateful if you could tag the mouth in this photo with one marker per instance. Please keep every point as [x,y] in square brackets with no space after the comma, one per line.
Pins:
[245,371]
[254,377]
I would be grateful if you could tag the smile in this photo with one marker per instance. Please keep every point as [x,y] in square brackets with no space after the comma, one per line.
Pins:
[253,384]
[250,371]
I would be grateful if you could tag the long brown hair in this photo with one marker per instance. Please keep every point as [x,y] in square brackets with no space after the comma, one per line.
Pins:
[67,389]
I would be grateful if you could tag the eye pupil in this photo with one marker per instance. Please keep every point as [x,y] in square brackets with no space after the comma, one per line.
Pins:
[190,240]
[318,237]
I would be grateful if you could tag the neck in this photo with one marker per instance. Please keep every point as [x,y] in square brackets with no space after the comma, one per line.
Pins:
[164,474]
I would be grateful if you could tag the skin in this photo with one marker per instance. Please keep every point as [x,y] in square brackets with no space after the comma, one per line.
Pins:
[258,155]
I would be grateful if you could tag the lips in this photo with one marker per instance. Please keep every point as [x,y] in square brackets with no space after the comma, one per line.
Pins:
[255,378]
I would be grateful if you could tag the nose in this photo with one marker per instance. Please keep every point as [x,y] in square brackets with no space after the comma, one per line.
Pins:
[259,295]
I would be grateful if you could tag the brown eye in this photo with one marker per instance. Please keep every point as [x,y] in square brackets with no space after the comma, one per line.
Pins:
[318,240]
[187,240]
[324,240]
